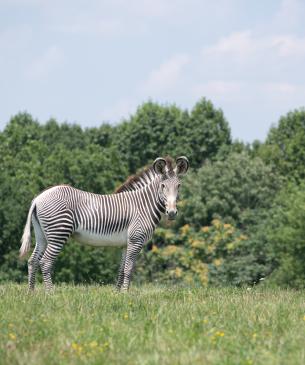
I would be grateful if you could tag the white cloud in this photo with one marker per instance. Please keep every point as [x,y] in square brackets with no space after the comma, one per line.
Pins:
[166,76]
[280,87]
[245,44]
[289,45]
[237,43]
[289,15]
[48,62]
[218,89]
[119,110]
[106,18]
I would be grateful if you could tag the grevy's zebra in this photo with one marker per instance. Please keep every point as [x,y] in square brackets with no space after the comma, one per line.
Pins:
[128,217]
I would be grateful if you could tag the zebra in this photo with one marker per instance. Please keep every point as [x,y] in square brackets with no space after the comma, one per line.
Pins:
[126,218]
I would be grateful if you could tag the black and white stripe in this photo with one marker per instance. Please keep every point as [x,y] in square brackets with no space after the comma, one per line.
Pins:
[127,218]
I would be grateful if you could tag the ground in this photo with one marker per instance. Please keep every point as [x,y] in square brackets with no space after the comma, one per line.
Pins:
[151,325]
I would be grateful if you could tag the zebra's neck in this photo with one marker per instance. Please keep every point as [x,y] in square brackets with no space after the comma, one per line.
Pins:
[149,200]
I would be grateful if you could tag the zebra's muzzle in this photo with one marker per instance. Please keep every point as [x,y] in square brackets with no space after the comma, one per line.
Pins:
[171,214]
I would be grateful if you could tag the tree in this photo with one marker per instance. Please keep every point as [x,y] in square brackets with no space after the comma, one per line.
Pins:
[235,189]
[153,131]
[157,130]
[285,231]
[284,149]
[34,157]
[205,134]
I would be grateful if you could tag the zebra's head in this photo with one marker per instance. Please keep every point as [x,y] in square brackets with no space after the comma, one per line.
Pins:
[170,182]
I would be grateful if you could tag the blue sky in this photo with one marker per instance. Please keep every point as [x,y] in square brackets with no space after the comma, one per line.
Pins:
[93,61]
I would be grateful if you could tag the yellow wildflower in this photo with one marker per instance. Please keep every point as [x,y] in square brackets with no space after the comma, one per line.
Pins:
[205,229]
[12,336]
[217,262]
[169,250]
[211,248]
[76,347]
[178,272]
[185,229]
[227,225]
[197,244]
[93,344]
[154,249]
[125,316]
[202,270]
[216,223]
[230,231]
[304,318]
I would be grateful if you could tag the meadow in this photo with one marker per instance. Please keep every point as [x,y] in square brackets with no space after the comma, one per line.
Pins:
[151,325]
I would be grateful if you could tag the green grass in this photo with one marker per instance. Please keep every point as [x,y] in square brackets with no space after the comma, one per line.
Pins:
[151,325]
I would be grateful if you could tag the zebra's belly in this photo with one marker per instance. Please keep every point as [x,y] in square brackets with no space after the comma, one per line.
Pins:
[93,239]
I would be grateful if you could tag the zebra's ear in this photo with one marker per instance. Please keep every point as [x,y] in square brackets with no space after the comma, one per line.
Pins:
[159,166]
[182,165]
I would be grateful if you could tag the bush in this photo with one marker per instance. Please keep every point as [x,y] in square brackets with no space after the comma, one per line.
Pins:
[236,190]
[215,254]
[286,237]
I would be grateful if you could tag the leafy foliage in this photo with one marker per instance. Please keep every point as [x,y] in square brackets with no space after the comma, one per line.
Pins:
[285,146]
[157,130]
[235,189]
[241,212]
[196,256]
[34,157]
[285,237]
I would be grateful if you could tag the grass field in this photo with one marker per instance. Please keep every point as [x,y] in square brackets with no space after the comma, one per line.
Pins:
[151,325]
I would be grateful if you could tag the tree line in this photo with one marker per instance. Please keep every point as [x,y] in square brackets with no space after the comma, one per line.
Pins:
[241,211]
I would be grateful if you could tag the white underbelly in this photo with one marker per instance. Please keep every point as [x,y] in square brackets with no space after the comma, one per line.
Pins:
[93,239]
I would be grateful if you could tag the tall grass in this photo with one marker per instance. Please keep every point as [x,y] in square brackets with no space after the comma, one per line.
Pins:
[151,325]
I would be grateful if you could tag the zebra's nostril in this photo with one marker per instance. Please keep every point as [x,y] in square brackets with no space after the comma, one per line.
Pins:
[172,214]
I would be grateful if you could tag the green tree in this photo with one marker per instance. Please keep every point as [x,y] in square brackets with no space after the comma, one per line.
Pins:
[157,130]
[153,131]
[284,148]
[285,231]
[235,189]
[34,157]
[206,132]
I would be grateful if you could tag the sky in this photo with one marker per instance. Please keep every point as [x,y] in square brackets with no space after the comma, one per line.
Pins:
[90,62]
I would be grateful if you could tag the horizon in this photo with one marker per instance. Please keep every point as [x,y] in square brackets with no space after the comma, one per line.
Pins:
[75,123]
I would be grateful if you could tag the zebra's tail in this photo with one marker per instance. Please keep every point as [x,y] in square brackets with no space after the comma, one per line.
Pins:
[26,237]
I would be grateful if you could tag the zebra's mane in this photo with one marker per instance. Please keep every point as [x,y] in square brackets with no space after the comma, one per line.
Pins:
[144,177]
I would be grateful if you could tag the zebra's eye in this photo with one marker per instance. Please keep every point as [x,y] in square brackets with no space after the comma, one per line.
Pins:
[163,186]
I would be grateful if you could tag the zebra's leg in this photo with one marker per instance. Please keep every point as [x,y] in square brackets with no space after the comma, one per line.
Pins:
[132,252]
[121,271]
[39,249]
[57,235]
[47,262]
